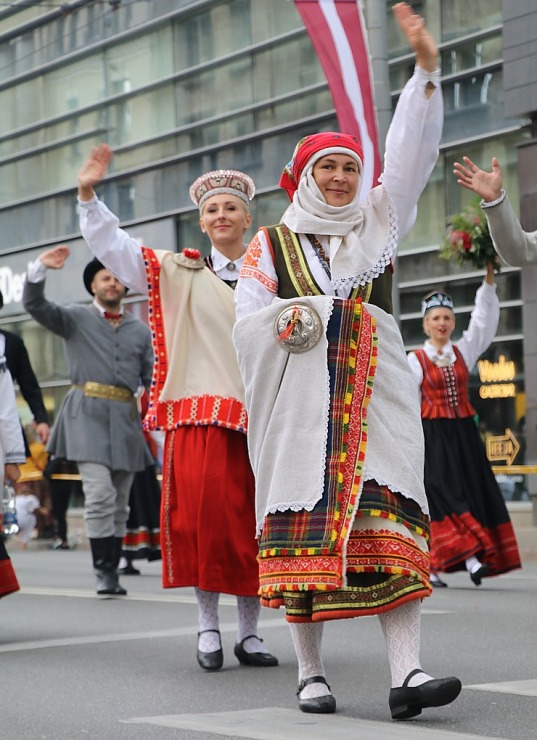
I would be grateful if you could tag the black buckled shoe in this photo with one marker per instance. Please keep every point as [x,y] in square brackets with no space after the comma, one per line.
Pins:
[408,701]
[260,660]
[317,704]
[211,661]
[481,573]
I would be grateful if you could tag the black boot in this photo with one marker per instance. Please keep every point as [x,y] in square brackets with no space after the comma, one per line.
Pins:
[103,551]
[118,549]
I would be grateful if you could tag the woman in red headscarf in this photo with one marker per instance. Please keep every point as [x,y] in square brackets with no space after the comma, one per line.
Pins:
[334,432]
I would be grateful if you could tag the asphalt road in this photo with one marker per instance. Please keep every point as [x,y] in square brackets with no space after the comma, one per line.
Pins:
[74,665]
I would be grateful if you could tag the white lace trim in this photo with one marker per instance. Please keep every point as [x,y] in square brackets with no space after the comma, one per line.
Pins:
[378,268]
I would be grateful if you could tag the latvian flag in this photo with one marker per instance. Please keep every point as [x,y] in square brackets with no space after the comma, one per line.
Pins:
[337,32]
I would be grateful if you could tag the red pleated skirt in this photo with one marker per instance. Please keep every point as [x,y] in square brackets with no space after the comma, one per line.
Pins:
[207,512]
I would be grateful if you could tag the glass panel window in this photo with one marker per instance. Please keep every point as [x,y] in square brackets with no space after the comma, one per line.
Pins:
[72,86]
[475,105]
[473,17]
[142,116]
[266,23]
[65,89]
[138,62]
[201,96]
[475,53]
[215,32]
[42,135]
[286,67]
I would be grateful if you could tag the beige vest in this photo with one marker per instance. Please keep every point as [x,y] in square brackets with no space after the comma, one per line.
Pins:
[196,378]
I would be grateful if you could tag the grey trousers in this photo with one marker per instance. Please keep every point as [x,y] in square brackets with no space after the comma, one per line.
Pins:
[106,499]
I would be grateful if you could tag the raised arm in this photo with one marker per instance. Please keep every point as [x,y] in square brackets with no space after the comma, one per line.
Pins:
[483,325]
[93,170]
[418,37]
[516,246]
[50,315]
[414,135]
[120,253]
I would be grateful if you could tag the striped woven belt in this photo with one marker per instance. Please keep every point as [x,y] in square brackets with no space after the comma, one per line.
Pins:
[110,392]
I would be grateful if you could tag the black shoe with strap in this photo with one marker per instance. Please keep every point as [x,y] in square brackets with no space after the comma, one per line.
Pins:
[482,572]
[261,660]
[408,701]
[211,661]
[317,704]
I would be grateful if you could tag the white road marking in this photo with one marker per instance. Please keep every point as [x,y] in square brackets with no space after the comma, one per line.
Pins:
[521,688]
[275,723]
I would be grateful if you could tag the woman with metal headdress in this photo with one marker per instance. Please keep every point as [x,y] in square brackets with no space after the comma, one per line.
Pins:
[470,525]
[335,435]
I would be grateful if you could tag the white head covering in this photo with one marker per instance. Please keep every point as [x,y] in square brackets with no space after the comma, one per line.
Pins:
[363,236]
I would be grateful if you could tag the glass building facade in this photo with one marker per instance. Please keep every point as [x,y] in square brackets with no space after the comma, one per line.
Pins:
[179,87]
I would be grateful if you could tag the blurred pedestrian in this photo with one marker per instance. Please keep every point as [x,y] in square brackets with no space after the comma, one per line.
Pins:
[59,473]
[27,506]
[98,426]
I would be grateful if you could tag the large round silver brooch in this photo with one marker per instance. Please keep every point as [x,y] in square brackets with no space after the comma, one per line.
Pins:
[298,328]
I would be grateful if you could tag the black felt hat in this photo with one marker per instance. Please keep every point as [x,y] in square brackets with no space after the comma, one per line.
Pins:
[91,269]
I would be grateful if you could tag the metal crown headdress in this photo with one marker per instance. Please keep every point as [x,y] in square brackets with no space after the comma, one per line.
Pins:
[436,299]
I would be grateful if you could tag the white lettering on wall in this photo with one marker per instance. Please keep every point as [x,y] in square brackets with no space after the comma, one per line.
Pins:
[11,285]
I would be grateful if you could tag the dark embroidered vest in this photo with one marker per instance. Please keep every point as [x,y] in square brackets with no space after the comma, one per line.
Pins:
[444,390]
[295,278]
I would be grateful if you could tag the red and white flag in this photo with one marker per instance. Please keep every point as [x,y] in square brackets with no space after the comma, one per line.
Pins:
[337,31]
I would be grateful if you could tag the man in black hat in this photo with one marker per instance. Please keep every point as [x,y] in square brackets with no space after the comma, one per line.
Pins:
[109,357]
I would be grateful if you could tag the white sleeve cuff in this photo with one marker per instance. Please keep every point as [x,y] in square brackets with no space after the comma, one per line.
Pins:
[88,203]
[423,76]
[490,203]
[36,272]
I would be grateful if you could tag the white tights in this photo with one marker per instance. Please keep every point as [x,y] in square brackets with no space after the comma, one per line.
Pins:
[401,628]
[248,608]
